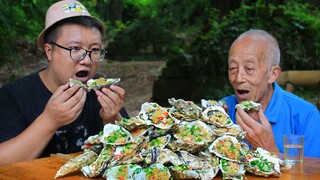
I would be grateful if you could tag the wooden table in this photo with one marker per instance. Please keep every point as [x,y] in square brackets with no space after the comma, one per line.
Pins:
[46,168]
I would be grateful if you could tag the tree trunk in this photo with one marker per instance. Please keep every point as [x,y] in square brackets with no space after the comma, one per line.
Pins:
[110,11]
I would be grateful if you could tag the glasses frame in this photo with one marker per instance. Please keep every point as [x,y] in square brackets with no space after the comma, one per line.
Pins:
[87,52]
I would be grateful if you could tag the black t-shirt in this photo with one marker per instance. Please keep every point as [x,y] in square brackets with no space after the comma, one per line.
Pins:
[23,101]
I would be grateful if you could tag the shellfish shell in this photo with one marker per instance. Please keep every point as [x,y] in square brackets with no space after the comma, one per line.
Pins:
[115,135]
[184,110]
[264,164]
[231,170]
[99,165]
[249,106]
[192,136]
[75,164]
[232,130]
[217,116]
[162,156]
[159,142]
[228,147]
[121,171]
[194,168]
[208,103]
[132,123]
[127,151]
[156,115]
[73,82]
[155,171]
[101,82]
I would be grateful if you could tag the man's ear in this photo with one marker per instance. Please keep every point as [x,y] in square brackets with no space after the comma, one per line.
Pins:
[48,50]
[274,74]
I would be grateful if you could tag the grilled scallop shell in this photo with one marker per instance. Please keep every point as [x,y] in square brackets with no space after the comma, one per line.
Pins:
[228,147]
[115,135]
[97,84]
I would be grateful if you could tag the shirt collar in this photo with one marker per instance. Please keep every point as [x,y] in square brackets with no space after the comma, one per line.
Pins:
[274,106]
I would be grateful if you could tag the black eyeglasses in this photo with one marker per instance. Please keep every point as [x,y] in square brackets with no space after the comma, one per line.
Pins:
[78,54]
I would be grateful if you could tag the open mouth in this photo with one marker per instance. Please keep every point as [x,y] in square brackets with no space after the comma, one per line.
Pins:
[243,91]
[82,74]
[242,94]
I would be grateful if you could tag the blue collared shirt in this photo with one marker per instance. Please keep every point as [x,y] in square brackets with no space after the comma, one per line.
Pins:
[289,114]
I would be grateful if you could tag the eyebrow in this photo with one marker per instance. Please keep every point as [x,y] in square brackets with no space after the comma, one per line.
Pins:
[80,43]
[252,60]
[247,59]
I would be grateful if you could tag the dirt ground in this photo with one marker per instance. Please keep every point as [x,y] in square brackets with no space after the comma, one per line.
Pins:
[137,78]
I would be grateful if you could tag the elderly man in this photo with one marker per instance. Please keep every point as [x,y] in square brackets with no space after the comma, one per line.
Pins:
[41,114]
[253,69]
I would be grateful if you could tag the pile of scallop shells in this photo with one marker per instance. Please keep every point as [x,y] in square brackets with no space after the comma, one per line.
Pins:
[184,141]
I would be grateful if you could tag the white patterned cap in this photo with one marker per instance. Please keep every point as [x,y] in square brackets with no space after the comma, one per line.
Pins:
[62,10]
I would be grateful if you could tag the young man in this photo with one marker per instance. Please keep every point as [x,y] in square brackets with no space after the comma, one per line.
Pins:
[253,69]
[40,114]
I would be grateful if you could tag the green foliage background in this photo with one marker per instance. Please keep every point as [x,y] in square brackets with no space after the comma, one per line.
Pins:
[192,36]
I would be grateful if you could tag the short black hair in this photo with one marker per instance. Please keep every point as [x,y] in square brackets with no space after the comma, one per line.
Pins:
[52,33]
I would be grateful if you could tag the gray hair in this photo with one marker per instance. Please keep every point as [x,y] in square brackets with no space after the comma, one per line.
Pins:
[272,53]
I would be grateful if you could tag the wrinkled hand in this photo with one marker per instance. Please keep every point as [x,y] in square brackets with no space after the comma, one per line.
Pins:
[225,107]
[65,105]
[258,134]
[111,101]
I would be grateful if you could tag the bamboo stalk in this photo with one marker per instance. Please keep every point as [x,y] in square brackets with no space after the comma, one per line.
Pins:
[300,78]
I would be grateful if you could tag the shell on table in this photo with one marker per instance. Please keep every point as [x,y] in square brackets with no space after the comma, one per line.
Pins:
[185,172]
[154,171]
[184,110]
[260,167]
[159,142]
[93,143]
[208,103]
[155,115]
[193,161]
[229,148]
[195,131]
[115,135]
[154,132]
[139,131]
[208,172]
[94,139]
[135,159]
[249,154]
[147,110]
[126,171]
[75,164]
[217,116]
[193,167]
[231,170]
[162,156]
[232,130]
[192,136]
[212,158]
[132,123]
[264,164]
[99,165]
[127,151]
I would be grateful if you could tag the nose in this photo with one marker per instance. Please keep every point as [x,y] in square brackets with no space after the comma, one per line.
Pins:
[86,60]
[240,76]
